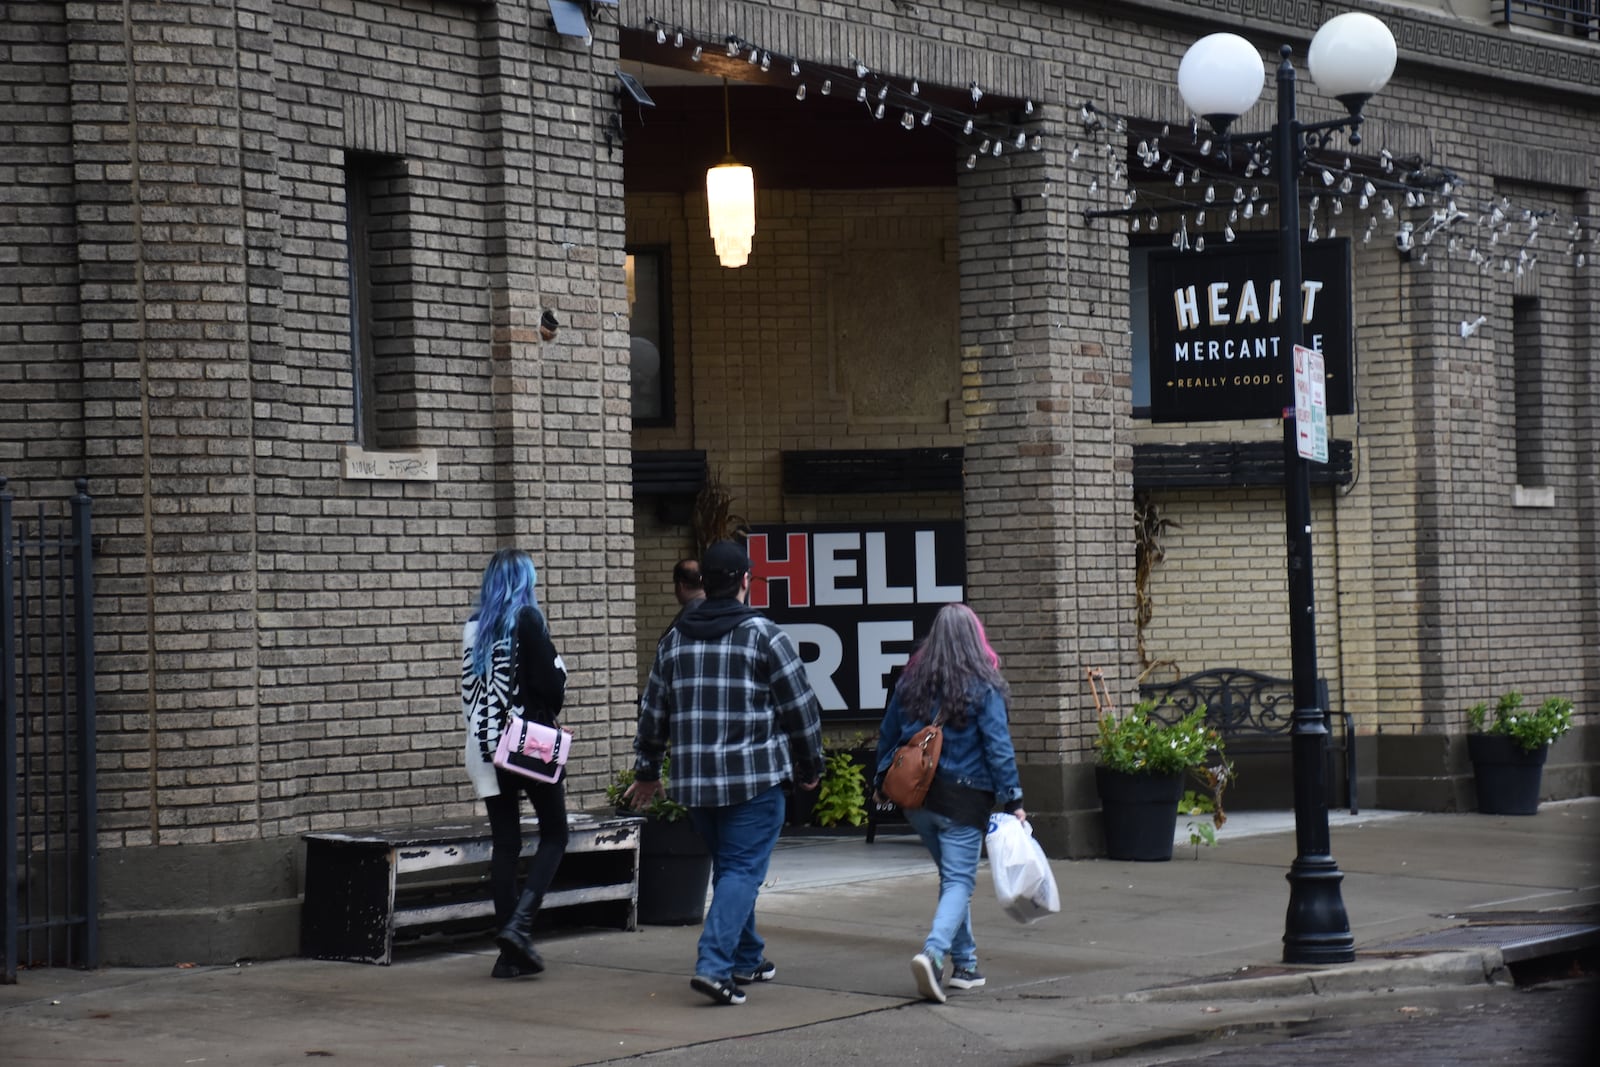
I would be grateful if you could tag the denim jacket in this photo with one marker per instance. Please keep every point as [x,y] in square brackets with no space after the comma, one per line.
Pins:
[978,755]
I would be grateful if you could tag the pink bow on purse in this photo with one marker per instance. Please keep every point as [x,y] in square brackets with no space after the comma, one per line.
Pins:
[533,749]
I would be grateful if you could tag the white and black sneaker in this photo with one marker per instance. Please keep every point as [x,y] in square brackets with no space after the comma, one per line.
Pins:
[765,971]
[721,990]
[927,970]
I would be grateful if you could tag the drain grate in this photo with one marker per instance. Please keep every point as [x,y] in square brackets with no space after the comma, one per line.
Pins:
[1516,941]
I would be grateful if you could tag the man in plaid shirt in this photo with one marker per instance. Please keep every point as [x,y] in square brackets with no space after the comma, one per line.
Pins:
[729,692]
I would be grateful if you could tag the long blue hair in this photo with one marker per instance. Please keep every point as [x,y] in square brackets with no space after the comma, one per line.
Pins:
[508,583]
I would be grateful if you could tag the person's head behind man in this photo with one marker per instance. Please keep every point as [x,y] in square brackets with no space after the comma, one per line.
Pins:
[686,583]
[725,570]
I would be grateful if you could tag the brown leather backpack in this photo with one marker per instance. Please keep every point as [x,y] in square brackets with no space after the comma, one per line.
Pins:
[910,773]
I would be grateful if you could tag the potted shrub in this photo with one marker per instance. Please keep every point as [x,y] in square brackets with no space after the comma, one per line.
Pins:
[1509,750]
[1141,763]
[674,863]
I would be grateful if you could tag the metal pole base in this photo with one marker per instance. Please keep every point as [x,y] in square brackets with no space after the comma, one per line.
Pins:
[1316,929]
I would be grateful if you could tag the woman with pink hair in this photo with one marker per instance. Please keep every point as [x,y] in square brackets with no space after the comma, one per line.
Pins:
[954,679]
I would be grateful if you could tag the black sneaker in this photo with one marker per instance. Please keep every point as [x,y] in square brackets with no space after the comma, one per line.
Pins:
[965,978]
[765,971]
[721,990]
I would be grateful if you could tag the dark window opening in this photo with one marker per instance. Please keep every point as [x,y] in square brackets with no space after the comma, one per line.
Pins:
[650,341]
[1528,377]
[378,218]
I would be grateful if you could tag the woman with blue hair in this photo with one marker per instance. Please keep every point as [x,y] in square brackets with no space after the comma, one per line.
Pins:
[510,665]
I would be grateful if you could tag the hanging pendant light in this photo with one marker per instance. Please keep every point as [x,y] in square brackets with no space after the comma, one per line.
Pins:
[731,200]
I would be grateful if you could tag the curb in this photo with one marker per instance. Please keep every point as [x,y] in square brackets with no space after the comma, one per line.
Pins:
[1457,968]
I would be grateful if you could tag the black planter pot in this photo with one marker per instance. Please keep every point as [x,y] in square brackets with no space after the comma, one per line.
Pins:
[1507,775]
[1141,813]
[674,874]
[798,805]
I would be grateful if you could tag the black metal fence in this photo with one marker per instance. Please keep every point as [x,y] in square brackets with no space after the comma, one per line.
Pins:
[47,811]
[1581,18]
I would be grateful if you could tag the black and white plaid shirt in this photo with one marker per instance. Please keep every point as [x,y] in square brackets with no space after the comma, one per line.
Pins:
[738,711]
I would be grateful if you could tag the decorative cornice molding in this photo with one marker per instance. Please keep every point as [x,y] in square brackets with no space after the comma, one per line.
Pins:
[1465,48]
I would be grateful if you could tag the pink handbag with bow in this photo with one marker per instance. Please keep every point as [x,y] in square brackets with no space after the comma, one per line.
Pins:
[533,749]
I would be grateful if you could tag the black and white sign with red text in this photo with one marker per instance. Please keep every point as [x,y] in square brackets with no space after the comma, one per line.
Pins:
[855,599]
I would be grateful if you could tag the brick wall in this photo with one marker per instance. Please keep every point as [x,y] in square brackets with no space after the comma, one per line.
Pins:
[176,328]
[41,397]
[1431,583]
[260,614]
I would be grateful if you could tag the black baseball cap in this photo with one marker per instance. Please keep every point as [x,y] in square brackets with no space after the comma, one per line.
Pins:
[725,558]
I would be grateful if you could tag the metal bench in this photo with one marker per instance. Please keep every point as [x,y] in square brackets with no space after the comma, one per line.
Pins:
[1253,712]
[364,886]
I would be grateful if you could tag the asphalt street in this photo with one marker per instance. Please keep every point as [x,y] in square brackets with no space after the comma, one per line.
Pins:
[1547,1025]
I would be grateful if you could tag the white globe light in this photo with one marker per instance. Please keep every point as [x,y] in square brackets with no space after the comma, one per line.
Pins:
[1352,55]
[1221,77]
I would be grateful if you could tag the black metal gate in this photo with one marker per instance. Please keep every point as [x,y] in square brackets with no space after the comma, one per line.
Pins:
[47,811]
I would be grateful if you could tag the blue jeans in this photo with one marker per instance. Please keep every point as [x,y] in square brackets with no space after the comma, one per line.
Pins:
[955,850]
[741,838]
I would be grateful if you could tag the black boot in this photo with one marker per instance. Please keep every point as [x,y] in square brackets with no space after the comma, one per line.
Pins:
[504,968]
[515,940]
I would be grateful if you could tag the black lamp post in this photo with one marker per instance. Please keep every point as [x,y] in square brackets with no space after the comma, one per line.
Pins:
[1352,57]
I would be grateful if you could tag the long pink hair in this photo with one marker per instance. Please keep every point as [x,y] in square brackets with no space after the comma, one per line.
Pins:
[948,669]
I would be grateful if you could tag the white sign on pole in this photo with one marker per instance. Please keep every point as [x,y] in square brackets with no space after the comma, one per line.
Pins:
[1310,404]
[1318,374]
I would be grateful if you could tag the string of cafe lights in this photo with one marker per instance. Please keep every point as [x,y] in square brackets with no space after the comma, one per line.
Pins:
[1426,210]
[900,101]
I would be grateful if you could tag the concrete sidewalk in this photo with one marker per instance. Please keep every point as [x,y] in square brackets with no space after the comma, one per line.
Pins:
[1141,955]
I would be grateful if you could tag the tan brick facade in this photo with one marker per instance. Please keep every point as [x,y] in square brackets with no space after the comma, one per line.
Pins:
[277,638]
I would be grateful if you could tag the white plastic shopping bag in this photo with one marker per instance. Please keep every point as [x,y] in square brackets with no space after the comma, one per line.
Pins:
[1022,878]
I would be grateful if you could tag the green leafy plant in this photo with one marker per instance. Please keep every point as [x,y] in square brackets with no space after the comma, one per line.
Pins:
[1530,729]
[1215,777]
[1137,743]
[1201,833]
[661,806]
[841,792]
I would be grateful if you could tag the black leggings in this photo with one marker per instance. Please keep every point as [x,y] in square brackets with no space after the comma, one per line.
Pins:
[505,827]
